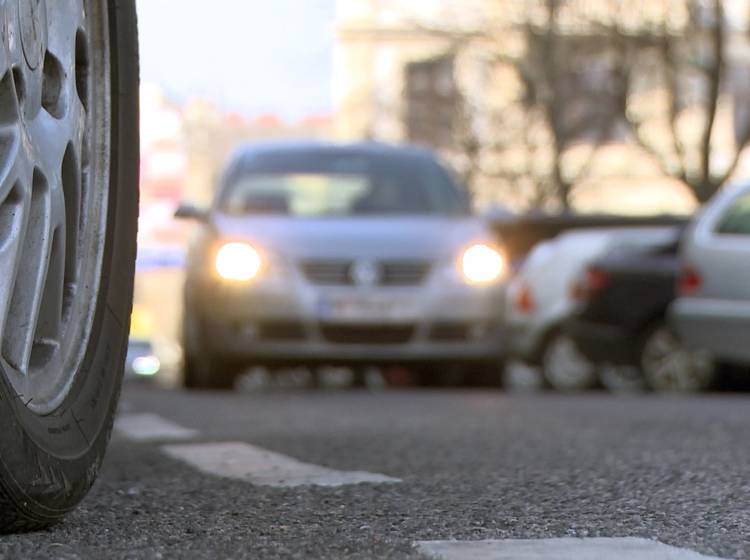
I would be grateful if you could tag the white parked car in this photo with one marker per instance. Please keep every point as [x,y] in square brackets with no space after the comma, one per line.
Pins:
[540,298]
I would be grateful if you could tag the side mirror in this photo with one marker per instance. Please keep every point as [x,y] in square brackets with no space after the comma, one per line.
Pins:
[187,211]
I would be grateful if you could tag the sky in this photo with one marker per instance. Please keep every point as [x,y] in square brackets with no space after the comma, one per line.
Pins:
[251,56]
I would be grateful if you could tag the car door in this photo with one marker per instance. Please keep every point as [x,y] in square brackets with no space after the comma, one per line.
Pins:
[719,253]
[722,250]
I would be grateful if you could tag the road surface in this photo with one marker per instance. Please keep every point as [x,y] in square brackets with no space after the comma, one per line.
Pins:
[394,474]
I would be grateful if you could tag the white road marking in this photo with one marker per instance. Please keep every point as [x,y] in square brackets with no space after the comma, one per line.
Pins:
[151,427]
[557,549]
[264,468]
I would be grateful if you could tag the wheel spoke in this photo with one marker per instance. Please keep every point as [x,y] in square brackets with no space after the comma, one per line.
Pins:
[68,17]
[4,58]
[48,323]
[26,296]
[15,171]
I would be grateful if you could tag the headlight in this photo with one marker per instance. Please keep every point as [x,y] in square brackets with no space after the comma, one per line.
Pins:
[482,264]
[146,366]
[238,262]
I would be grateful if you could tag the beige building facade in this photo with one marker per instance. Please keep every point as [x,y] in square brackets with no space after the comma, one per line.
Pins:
[383,45]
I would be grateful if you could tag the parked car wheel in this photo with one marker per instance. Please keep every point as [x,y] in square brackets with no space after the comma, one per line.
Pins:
[564,368]
[68,220]
[669,366]
[621,378]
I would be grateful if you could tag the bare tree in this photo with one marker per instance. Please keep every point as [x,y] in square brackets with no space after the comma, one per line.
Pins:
[675,102]
[558,73]
[662,82]
[564,101]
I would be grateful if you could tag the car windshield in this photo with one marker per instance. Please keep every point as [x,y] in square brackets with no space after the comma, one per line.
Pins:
[342,184]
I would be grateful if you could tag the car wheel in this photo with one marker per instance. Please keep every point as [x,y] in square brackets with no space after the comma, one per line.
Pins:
[564,368]
[68,220]
[519,376]
[202,369]
[621,378]
[668,366]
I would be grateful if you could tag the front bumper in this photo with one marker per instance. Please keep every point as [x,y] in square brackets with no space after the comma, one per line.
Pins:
[268,325]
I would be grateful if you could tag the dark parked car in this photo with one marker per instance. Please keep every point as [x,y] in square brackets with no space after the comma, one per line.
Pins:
[621,318]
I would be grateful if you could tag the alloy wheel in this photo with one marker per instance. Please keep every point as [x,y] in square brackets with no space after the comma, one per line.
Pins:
[670,367]
[565,368]
[54,162]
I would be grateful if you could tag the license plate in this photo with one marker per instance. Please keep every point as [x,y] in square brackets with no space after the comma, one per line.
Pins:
[366,308]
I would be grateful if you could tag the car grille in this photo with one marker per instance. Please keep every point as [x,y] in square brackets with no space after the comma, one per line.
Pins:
[370,334]
[392,273]
[450,332]
[404,273]
[281,330]
[327,273]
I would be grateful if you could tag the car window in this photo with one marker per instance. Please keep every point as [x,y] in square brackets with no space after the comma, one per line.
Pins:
[736,220]
[335,184]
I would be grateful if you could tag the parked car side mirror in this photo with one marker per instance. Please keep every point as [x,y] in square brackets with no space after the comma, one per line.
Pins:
[187,211]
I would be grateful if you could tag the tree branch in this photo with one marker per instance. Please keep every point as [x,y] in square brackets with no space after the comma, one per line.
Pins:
[715,75]
[640,140]
[673,93]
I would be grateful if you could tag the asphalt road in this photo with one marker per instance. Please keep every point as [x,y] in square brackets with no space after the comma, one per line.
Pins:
[465,465]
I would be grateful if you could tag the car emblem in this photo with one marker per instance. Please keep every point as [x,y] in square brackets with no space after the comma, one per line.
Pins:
[365,273]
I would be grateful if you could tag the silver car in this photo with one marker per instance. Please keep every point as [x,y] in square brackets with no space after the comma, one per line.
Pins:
[713,310]
[327,254]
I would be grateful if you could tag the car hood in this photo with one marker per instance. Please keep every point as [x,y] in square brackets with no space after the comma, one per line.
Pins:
[375,237]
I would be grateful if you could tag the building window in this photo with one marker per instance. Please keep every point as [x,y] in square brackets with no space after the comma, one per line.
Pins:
[432,102]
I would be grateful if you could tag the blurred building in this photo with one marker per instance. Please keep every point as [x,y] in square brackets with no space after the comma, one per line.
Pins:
[211,135]
[433,72]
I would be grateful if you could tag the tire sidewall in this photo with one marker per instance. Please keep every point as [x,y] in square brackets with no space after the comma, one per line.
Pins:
[547,367]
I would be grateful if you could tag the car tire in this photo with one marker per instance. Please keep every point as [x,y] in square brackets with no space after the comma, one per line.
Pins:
[670,367]
[49,461]
[203,369]
[621,379]
[563,366]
